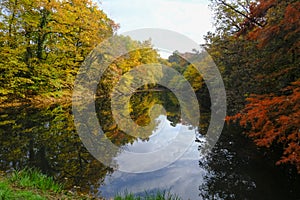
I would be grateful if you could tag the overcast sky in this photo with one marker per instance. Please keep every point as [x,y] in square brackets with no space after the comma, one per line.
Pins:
[192,18]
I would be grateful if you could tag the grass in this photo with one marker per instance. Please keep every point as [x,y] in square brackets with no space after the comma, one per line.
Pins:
[31,184]
[7,192]
[157,196]
[31,178]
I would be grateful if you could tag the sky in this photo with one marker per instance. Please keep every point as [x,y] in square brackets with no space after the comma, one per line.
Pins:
[192,18]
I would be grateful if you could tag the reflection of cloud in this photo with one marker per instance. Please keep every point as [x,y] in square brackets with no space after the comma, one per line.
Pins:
[167,145]
[189,17]
[182,176]
[158,139]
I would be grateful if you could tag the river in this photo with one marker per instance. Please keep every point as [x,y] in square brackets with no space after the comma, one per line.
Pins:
[235,168]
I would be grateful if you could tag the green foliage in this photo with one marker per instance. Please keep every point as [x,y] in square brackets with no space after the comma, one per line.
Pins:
[5,191]
[229,15]
[178,61]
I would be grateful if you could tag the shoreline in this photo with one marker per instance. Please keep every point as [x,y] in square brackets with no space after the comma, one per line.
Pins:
[38,101]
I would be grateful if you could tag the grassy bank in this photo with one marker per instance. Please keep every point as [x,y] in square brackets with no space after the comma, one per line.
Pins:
[31,184]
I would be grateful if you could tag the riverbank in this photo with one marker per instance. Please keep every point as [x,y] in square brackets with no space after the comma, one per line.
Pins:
[33,185]
[39,101]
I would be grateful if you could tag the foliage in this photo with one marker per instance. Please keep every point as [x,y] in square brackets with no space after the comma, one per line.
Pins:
[256,47]
[117,74]
[44,42]
[275,120]
[229,14]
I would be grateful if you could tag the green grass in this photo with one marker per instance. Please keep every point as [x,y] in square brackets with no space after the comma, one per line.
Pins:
[32,178]
[6,192]
[158,196]
[31,184]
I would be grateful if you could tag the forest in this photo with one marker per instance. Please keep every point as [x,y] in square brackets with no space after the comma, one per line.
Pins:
[255,45]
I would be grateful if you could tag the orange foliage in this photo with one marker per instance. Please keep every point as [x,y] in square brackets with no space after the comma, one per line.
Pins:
[272,119]
[256,15]
[260,9]
[289,24]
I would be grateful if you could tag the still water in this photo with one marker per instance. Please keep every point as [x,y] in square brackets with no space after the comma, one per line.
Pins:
[181,175]
[46,138]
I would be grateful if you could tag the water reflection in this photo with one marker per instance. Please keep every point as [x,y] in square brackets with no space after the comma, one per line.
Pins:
[46,138]
[181,176]
[237,169]
[167,145]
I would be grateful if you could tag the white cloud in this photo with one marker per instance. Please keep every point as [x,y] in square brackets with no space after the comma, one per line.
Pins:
[190,17]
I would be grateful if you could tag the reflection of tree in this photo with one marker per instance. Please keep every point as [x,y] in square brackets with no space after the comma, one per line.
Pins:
[171,104]
[141,104]
[46,139]
[142,111]
[179,61]
[237,170]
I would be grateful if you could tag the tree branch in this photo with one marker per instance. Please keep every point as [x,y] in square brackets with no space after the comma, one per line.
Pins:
[239,12]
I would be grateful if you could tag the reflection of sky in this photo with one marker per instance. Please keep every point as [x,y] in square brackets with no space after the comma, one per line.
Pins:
[181,176]
[159,138]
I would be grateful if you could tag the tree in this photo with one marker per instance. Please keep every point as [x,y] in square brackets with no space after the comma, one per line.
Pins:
[268,35]
[117,77]
[271,120]
[43,43]
[274,116]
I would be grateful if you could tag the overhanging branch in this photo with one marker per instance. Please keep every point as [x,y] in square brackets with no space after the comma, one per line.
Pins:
[239,12]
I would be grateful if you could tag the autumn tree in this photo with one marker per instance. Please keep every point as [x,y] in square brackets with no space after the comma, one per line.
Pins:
[44,42]
[232,54]
[274,115]
[259,57]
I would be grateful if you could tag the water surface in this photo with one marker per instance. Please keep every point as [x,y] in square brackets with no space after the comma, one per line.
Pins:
[235,169]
